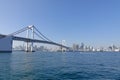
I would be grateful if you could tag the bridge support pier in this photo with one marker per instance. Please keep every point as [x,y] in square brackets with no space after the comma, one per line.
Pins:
[27,49]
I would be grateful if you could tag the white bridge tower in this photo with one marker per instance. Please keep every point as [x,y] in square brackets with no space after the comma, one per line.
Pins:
[29,45]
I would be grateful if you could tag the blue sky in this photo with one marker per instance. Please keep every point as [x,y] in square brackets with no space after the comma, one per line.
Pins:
[94,22]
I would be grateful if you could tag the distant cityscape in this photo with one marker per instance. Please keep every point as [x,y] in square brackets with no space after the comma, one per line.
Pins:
[75,48]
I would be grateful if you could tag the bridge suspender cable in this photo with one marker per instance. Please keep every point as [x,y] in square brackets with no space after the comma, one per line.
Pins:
[42,34]
[39,36]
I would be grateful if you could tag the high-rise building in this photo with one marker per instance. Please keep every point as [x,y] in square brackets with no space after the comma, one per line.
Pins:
[82,47]
[75,47]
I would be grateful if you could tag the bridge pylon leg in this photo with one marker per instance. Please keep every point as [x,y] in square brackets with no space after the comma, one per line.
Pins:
[27,43]
[32,50]
[26,49]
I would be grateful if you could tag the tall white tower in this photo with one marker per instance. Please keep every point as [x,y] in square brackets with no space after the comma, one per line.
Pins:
[29,48]
[27,43]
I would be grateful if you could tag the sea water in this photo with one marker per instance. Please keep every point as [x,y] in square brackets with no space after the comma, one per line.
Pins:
[60,66]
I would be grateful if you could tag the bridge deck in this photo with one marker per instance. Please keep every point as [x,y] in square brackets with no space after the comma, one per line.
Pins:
[37,41]
[34,40]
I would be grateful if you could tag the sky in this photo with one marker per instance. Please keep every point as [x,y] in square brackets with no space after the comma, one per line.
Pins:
[93,22]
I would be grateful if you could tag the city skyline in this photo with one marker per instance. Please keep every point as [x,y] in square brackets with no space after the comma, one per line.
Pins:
[92,22]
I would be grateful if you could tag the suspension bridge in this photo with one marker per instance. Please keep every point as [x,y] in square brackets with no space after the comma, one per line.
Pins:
[6,41]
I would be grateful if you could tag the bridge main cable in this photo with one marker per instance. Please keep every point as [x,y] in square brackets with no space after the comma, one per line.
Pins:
[19,31]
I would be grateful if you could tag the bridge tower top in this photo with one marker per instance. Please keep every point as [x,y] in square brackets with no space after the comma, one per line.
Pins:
[31,26]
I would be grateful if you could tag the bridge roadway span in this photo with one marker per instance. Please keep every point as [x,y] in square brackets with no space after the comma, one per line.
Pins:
[34,40]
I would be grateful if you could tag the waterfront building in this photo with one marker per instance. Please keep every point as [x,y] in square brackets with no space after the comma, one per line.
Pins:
[75,47]
[82,47]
